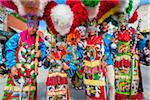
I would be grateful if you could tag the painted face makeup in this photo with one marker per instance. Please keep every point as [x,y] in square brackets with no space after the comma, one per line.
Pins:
[32,24]
[32,21]
[104,26]
[123,24]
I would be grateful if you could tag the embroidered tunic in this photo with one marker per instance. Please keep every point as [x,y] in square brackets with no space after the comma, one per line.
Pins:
[94,70]
[20,51]
[57,82]
[127,69]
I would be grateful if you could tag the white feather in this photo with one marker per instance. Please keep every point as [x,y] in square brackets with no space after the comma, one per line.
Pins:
[19,6]
[43,3]
[62,18]
[136,3]
[125,3]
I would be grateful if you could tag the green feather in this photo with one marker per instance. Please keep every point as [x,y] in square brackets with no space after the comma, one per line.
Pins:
[128,10]
[90,3]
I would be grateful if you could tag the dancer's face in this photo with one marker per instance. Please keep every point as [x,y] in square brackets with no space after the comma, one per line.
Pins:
[123,24]
[91,32]
[61,47]
[32,27]
[105,27]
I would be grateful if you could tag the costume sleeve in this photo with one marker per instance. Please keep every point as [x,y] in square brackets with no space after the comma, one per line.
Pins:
[141,44]
[80,52]
[10,51]
[42,47]
[70,63]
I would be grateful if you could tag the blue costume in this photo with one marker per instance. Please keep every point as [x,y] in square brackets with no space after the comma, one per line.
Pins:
[75,57]
[108,50]
[70,59]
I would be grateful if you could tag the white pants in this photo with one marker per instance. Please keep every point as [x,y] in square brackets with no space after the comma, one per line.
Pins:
[110,78]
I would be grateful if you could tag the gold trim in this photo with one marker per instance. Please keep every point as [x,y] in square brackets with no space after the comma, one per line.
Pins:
[112,11]
[93,63]
[17,88]
[126,77]
[53,93]
[94,82]
[61,74]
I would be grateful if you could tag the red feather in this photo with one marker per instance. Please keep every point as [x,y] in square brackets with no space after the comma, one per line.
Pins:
[47,17]
[80,13]
[134,17]
[9,4]
[105,6]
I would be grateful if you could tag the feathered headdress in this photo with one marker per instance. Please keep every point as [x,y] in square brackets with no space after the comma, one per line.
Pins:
[68,16]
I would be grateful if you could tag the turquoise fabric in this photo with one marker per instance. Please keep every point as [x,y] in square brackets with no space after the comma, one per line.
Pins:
[10,50]
[69,58]
[141,44]
[108,51]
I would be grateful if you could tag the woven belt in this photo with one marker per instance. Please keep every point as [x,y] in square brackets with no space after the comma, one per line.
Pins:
[62,74]
[17,88]
[92,64]
[94,82]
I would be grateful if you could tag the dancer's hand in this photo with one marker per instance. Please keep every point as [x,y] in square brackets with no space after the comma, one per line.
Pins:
[65,66]
[38,54]
[104,57]
[14,71]
[113,40]
[133,49]
[50,57]
[41,34]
